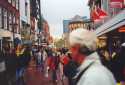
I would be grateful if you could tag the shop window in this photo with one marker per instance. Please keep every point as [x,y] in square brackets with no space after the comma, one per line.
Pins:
[0,17]
[5,18]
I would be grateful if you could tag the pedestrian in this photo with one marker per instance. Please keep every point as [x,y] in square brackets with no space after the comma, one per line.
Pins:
[3,78]
[23,59]
[118,65]
[34,51]
[54,67]
[40,59]
[65,59]
[10,64]
[88,68]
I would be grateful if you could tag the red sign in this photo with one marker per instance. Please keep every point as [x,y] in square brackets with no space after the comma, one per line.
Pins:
[116,3]
[122,29]
[95,16]
[101,13]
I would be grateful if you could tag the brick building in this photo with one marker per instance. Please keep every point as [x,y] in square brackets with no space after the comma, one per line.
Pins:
[9,19]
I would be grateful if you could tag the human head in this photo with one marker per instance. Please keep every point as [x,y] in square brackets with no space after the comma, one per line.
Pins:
[82,41]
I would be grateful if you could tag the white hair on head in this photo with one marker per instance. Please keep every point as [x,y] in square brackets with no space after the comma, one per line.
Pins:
[83,37]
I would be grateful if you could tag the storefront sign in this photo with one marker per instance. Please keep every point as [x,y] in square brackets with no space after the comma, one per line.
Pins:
[122,29]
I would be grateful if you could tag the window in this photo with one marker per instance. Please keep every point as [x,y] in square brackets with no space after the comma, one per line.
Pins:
[10,21]
[13,25]
[14,3]
[5,18]
[10,1]
[17,25]
[17,4]
[13,19]
[117,10]
[124,2]
[0,17]
[26,8]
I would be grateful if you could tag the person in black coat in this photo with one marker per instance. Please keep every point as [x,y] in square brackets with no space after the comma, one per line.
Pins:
[3,77]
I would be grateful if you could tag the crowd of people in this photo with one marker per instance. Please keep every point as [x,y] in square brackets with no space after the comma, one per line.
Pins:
[12,63]
[82,64]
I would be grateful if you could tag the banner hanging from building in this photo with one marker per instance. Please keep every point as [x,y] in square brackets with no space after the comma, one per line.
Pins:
[116,3]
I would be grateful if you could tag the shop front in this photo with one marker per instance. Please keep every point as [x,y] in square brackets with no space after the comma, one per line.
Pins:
[8,37]
[114,31]
[5,36]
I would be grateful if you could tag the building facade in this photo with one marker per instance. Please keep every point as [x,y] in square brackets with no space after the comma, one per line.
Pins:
[35,19]
[80,22]
[25,19]
[46,33]
[9,19]
[9,15]
[65,26]
[110,29]
[74,23]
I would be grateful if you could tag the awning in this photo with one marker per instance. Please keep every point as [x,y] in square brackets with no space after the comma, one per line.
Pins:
[5,33]
[112,24]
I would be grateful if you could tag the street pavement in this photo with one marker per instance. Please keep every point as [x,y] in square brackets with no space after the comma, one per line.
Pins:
[33,76]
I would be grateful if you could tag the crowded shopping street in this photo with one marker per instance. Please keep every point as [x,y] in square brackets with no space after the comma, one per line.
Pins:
[62,42]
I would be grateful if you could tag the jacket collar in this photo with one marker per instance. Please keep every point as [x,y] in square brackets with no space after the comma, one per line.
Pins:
[88,60]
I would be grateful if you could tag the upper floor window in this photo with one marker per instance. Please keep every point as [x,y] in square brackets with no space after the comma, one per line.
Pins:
[10,1]
[10,21]
[124,3]
[26,8]
[5,18]
[17,25]
[14,3]
[0,17]
[17,4]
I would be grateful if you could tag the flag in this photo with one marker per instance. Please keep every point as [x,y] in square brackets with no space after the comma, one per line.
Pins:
[116,3]
[95,16]
[101,13]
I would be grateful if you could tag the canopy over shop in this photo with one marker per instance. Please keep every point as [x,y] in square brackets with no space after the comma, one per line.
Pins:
[112,33]
[114,23]
[7,36]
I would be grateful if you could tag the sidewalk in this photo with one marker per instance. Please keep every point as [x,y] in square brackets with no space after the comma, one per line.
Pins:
[35,77]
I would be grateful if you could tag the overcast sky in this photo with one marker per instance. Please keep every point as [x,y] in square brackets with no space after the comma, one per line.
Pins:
[55,11]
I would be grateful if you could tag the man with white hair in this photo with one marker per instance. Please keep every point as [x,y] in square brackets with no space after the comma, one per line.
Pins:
[90,71]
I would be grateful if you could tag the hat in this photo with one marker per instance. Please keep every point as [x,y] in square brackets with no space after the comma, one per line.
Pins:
[83,37]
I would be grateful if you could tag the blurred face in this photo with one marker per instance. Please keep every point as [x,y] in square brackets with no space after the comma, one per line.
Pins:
[75,50]
[79,58]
